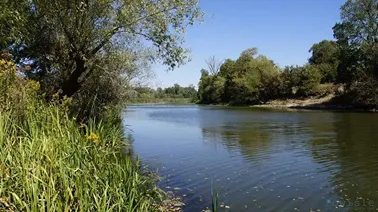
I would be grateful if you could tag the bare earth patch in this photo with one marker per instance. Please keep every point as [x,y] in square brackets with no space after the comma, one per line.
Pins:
[309,103]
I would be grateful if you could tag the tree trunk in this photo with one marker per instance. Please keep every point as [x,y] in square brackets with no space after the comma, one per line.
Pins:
[72,85]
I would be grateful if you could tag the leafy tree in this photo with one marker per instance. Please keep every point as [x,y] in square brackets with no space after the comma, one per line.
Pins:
[290,79]
[177,88]
[359,22]
[242,81]
[325,55]
[203,87]
[12,19]
[69,40]
[226,71]
[146,94]
[324,52]
[245,79]
[309,81]
[250,74]
[357,36]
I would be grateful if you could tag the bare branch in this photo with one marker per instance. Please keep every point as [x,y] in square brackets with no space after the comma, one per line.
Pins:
[214,65]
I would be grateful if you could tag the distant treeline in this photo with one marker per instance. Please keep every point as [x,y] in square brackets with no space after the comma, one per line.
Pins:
[346,67]
[255,79]
[176,93]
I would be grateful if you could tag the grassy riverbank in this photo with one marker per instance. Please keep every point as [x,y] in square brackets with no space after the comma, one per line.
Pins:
[49,162]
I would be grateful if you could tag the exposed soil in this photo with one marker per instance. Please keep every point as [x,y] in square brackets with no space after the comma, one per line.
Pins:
[320,103]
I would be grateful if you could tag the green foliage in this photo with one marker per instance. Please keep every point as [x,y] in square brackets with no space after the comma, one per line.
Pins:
[254,79]
[357,36]
[48,163]
[351,60]
[211,88]
[176,91]
[325,56]
[90,51]
[243,81]
[290,78]
[309,81]
[174,94]
[15,91]
[12,20]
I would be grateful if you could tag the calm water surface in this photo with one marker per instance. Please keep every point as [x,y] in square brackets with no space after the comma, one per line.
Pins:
[260,160]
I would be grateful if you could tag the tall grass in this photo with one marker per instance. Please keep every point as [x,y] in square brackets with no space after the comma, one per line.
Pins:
[49,163]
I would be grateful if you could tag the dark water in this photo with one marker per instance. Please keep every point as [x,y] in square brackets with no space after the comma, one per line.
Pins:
[261,160]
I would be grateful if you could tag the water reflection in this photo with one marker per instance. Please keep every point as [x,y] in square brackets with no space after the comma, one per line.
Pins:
[261,160]
[351,156]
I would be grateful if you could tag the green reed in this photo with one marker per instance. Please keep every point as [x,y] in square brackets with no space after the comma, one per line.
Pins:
[50,163]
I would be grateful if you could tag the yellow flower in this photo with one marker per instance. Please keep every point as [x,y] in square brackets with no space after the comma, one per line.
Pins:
[10,63]
[2,62]
[94,138]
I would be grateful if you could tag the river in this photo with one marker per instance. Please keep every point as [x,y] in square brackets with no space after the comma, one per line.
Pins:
[259,159]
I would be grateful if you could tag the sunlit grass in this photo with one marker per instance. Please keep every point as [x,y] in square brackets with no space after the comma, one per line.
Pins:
[49,163]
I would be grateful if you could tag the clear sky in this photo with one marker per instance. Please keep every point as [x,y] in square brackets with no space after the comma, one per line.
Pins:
[282,30]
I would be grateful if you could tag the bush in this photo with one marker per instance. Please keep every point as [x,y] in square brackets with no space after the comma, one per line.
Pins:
[309,81]
[328,72]
[15,91]
[271,88]
[326,89]
[363,92]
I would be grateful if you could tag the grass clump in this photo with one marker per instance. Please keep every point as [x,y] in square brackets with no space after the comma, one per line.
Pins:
[49,163]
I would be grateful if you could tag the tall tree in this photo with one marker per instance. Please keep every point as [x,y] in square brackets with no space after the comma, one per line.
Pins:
[359,21]
[325,55]
[69,39]
[357,35]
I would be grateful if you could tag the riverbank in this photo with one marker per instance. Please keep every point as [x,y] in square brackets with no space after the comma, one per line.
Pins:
[328,102]
[313,103]
[49,161]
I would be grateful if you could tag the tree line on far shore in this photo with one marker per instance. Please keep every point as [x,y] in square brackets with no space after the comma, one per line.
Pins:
[346,67]
[175,93]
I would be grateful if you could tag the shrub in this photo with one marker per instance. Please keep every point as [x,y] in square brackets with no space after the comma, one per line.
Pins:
[309,81]
[364,92]
[15,91]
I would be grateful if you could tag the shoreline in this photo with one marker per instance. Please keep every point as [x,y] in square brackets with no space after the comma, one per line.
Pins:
[331,107]
[312,103]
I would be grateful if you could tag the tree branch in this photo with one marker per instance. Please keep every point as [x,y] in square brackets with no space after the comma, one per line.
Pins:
[115,31]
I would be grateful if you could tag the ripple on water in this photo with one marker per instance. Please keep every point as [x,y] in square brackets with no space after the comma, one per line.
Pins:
[260,160]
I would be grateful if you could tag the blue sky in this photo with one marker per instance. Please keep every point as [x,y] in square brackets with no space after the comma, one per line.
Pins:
[283,30]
